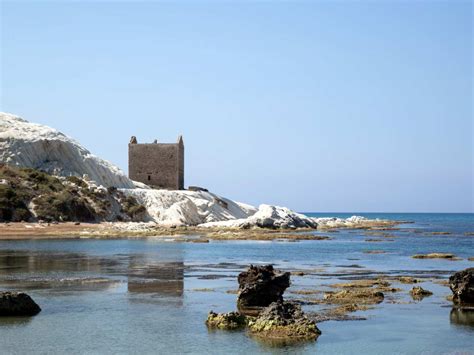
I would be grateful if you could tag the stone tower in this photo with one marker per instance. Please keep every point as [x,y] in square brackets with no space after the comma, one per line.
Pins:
[160,165]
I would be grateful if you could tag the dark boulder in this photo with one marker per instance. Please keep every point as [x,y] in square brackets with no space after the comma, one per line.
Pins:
[462,286]
[17,304]
[259,286]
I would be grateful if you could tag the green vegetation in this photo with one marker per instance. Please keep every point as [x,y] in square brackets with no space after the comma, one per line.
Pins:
[76,181]
[64,206]
[28,194]
[12,207]
[133,209]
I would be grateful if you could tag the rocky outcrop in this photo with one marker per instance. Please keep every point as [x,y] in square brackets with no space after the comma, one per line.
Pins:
[462,286]
[284,320]
[358,222]
[418,293]
[17,304]
[436,256]
[407,280]
[188,208]
[262,310]
[259,286]
[227,321]
[268,216]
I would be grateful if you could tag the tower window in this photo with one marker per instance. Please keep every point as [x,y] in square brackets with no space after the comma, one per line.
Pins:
[149,177]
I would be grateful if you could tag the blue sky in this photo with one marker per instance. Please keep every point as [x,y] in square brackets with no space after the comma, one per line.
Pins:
[315,105]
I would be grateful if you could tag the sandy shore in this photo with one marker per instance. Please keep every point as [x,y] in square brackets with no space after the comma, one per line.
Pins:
[46,231]
[70,230]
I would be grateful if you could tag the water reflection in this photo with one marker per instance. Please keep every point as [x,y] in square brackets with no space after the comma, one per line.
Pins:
[150,276]
[37,262]
[15,321]
[157,272]
[57,271]
[462,317]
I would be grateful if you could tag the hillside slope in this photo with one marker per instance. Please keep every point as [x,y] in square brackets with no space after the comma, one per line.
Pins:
[30,145]
[30,195]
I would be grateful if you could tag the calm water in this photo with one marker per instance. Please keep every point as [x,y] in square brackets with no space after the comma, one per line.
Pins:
[152,296]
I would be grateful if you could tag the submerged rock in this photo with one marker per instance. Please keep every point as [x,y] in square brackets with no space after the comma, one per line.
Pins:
[259,286]
[285,321]
[362,284]
[407,280]
[435,256]
[354,296]
[227,321]
[17,304]
[340,313]
[418,293]
[462,286]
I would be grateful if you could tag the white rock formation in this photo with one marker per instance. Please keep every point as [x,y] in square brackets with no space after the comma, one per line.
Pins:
[176,208]
[32,145]
[269,217]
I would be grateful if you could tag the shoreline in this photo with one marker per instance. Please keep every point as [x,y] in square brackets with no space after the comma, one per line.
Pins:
[117,230]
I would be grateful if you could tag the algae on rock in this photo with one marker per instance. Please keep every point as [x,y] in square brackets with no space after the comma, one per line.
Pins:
[284,320]
[227,321]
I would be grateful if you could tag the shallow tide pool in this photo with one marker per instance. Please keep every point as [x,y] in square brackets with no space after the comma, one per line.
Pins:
[149,296]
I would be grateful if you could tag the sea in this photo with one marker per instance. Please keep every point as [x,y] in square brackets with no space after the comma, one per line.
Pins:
[152,295]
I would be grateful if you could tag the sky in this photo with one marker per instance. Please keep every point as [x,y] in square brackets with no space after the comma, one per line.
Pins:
[326,106]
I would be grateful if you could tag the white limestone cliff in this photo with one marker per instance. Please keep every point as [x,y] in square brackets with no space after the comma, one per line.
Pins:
[267,216]
[176,208]
[25,144]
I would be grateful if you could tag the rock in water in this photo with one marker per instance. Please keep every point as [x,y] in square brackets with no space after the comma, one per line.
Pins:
[227,321]
[356,296]
[284,321]
[17,304]
[462,286]
[418,293]
[259,286]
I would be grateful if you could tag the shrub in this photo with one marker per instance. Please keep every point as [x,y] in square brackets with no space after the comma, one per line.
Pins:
[63,206]
[133,209]
[12,206]
[77,181]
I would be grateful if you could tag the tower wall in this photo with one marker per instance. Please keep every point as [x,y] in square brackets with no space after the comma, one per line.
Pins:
[160,165]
